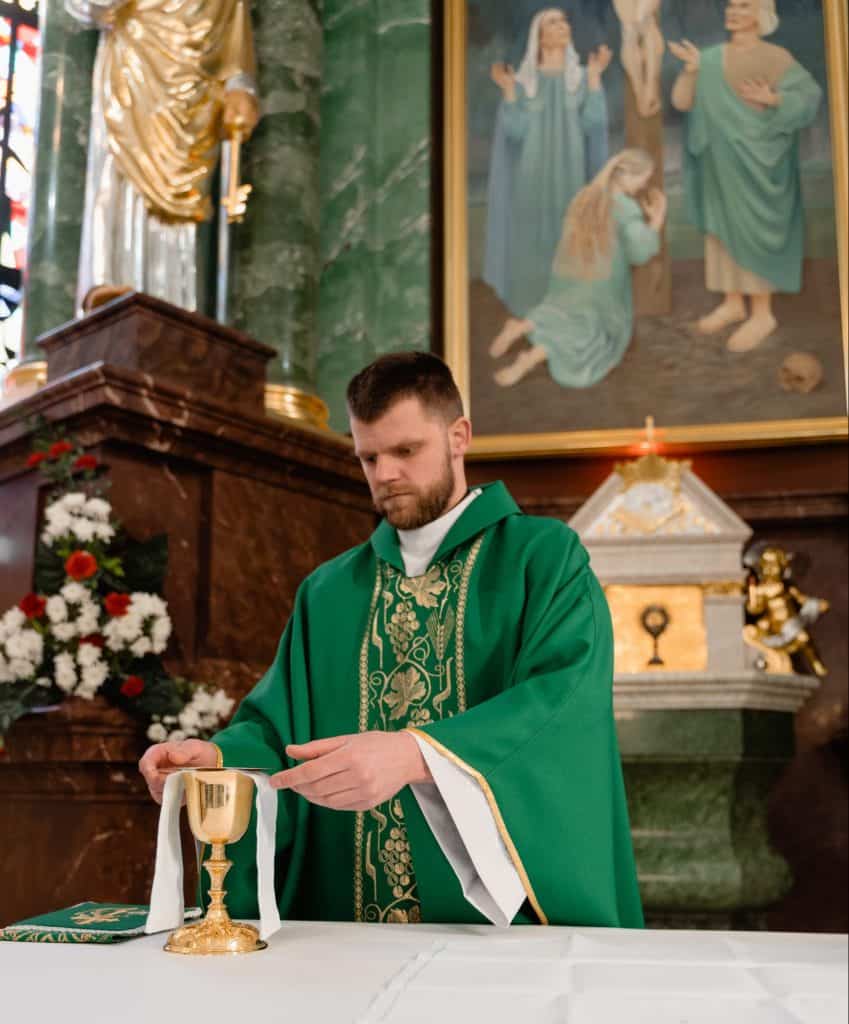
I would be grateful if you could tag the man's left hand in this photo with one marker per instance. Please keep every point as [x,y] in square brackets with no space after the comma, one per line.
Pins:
[355,772]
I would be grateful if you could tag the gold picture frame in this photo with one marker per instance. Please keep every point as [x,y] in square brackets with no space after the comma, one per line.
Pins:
[455,281]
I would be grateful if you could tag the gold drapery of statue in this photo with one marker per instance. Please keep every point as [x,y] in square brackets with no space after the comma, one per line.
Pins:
[161,81]
[170,77]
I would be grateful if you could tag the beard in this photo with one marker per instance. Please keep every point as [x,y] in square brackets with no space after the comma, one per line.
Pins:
[419,507]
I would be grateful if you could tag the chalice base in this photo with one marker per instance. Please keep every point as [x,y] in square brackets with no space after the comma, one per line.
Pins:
[210,938]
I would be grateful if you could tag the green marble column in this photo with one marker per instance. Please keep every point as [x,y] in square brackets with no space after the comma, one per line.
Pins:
[60,170]
[274,289]
[375,188]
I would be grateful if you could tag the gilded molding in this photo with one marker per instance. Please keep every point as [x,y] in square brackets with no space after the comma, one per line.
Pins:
[722,588]
[25,378]
[291,403]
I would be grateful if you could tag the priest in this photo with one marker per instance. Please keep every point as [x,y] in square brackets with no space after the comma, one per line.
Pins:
[438,718]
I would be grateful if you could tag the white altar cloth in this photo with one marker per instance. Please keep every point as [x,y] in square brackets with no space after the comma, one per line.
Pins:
[438,974]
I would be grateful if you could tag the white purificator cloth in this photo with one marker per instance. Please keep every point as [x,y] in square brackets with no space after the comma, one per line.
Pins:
[166,898]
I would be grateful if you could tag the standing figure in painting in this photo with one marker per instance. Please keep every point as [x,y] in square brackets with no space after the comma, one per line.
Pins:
[747,101]
[642,51]
[550,137]
[584,323]
[171,79]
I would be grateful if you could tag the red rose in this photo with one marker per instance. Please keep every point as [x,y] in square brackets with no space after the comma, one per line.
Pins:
[116,604]
[95,639]
[80,565]
[132,686]
[59,448]
[36,459]
[84,462]
[33,606]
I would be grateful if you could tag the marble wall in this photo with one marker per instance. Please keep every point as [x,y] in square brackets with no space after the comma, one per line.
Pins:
[375,187]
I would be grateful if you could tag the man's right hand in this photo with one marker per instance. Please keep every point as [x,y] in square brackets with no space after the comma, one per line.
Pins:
[163,759]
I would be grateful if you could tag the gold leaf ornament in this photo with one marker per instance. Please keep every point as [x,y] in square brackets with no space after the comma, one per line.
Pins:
[407,687]
[426,588]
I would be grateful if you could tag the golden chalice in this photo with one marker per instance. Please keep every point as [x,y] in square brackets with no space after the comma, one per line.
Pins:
[218,801]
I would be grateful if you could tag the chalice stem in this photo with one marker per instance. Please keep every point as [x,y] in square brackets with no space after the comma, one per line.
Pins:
[217,867]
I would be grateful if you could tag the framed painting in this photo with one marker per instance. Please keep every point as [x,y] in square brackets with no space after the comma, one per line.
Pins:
[644,215]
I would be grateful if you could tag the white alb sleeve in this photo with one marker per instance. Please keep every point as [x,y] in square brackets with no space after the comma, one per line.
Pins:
[461,821]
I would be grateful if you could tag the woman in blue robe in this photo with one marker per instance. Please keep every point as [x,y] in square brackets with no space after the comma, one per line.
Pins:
[550,139]
[584,324]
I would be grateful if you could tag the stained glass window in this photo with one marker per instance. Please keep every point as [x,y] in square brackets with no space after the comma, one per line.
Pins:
[19,52]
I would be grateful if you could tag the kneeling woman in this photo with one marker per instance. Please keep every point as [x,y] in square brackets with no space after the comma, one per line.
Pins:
[584,323]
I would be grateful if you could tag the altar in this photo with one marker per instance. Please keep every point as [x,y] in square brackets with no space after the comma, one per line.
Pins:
[365,974]
[209,251]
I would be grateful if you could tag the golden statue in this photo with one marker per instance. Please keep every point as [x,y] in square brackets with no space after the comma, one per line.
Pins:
[172,79]
[783,613]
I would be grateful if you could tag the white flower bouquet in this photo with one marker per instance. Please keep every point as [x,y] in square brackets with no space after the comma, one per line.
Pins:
[96,623]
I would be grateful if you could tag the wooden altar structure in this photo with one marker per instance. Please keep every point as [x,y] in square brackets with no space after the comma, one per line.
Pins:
[172,404]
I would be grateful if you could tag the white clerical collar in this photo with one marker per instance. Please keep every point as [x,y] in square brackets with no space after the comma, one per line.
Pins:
[419,546]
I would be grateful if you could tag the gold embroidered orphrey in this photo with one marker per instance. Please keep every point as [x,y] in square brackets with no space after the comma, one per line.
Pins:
[411,673]
[68,936]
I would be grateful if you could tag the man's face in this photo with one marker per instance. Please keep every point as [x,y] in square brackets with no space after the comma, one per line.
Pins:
[742,15]
[409,457]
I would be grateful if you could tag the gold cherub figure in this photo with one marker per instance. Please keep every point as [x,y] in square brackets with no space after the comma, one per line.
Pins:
[783,613]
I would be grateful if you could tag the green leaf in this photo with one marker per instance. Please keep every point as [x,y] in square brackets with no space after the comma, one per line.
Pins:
[10,711]
[145,564]
[49,570]
[16,701]
[159,697]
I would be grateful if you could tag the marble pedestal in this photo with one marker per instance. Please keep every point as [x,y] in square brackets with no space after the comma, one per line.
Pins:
[168,344]
[701,755]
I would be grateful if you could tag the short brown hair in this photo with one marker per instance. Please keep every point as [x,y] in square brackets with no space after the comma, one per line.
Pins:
[400,375]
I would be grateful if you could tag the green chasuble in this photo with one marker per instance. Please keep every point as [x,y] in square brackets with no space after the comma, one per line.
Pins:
[501,656]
